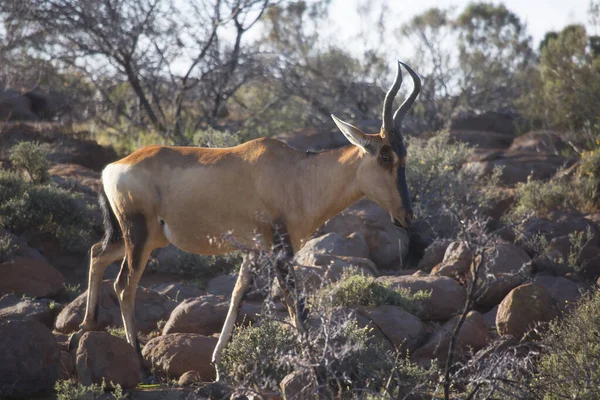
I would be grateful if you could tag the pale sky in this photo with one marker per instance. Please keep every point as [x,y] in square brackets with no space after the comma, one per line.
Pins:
[540,16]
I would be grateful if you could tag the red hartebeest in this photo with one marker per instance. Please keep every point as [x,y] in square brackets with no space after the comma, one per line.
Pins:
[191,196]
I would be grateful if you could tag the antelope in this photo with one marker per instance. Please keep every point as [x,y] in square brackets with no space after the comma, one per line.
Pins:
[191,196]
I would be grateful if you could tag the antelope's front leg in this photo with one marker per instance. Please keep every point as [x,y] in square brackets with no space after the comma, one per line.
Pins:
[239,291]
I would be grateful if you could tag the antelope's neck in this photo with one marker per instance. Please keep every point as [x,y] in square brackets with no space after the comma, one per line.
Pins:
[332,185]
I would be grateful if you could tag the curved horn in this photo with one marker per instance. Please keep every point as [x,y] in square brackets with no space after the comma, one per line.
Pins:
[388,121]
[403,109]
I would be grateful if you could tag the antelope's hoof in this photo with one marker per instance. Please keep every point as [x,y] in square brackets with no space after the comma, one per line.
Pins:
[74,339]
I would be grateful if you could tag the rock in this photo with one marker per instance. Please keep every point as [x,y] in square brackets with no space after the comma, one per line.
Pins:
[29,276]
[456,262]
[523,308]
[178,291]
[177,353]
[490,121]
[17,248]
[517,166]
[150,307]
[15,107]
[473,335]
[541,142]
[325,269]
[66,149]
[13,307]
[298,386]
[447,296]
[67,366]
[190,378]
[402,329]
[29,358]
[354,245]
[222,285]
[565,292]
[101,355]
[504,268]
[559,224]
[204,315]
[481,139]
[434,254]
[490,318]
[388,245]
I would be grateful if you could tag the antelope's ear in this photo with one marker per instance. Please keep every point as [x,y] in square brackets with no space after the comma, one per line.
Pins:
[356,136]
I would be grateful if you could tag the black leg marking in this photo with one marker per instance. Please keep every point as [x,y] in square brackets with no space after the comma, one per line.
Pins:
[284,254]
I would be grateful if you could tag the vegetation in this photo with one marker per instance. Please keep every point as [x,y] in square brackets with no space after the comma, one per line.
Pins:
[73,390]
[570,364]
[32,158]
[44,209]
[361,290]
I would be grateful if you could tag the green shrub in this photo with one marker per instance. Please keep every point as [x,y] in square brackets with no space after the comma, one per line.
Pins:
[44,209]
[440,189]
[540,198]
[32,158]
[73,390]
[361,290]
[7,247]
[254,355]
[570,364]
[214,138]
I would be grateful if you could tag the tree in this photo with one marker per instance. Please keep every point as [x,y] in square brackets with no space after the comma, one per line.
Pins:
[172,57]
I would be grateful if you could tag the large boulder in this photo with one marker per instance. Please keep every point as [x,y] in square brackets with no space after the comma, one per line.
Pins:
[66,149]
[402,329]
[473,336]
[177,353]
[523,308]
[101,355]
[517,166]
[481,139]
[559,224]
[491,121]
[564,291]
[32,277]
[504,267]
[447,297]
[388,245]
[354,245]
[13,307]
[540,141]
[150,307]
[434,254]
[29,358]
[15,107]
[456,262]
[204,315]
[323,269]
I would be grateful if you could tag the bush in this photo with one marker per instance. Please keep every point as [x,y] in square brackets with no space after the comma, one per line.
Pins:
[540,198]
[360,290]
[214,138]
[32,158]
[254,355]
[440,189]
[44,209]
[570,364]
[73,390]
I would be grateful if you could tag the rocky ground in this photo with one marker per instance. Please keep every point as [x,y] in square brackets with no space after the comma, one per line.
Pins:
[179,320]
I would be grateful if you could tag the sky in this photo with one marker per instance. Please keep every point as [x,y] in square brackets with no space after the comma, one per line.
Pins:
[540,16]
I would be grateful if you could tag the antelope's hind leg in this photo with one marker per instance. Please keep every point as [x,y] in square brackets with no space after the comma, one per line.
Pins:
[137,236]
[101,256]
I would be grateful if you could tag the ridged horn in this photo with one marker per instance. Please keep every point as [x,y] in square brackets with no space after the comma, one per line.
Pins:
[403,109]
[388,120]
